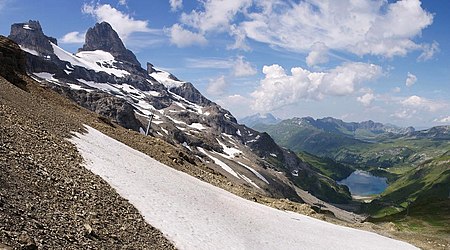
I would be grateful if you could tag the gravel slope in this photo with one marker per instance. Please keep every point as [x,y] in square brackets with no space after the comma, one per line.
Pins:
[48,200]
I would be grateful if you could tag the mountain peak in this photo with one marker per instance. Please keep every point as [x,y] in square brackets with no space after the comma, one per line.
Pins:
[265,118]
[31,36]
[103,37]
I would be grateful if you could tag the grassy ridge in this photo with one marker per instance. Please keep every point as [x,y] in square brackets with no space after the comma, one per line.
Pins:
[395,153]
[419,188]
[327,166]
[308,139]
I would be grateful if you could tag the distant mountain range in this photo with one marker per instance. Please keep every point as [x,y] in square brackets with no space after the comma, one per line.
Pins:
[266,119]
[327,135]
[364,144]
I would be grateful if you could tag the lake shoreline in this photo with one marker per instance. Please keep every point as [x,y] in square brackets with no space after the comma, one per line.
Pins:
[364,185]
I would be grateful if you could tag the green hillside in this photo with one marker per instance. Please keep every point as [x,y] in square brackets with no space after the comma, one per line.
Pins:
[419,188]
[307,138]
[397,155]
[327,166]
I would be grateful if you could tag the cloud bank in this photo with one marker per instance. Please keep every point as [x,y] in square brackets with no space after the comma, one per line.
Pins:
[122,23]
[279,89]
[359,27]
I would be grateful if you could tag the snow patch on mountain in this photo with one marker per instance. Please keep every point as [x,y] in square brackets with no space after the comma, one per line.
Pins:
[230,151]
[245,178]
[222,164]
[31,51]
[47,77]
[198,126]
[107,87]
[260,176]
[99,61]
[27,27]
[164,78]
[197,108]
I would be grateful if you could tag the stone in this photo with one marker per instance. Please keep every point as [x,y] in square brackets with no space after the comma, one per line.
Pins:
[12,62]
[27,241]
[31,35]
[5,247]
[150,68]
[103,37]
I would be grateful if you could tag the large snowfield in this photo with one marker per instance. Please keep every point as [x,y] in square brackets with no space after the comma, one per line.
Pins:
[196,215]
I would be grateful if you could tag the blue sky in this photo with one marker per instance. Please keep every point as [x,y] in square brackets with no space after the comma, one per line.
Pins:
[388,61]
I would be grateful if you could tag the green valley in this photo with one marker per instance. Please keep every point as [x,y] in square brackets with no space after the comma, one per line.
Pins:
[415,163]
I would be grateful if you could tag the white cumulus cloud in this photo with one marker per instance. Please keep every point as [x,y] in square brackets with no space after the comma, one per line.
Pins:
[239,39]
[443,119]
[73,37]
[183,38]
[217,86]
[405,114]
[242,68]
[417,102]
[237,104]
[376,27]
[366,99]
[360,27]
[396,90]
[318,54]
[429,50]
[121,22]
[410,79]
[216,15]
[279,89]
[176,4]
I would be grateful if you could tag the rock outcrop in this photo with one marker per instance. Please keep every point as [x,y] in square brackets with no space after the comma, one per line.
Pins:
[103,37]
[31,36]
[12,62]
[117,109]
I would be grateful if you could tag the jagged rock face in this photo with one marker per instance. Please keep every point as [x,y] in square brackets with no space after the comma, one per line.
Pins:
[150,68]
[12,61]
[103,37]
[30,35]
[117,109]
[190,93]
[265,145]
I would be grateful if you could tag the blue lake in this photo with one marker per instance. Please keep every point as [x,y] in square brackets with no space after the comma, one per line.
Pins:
[363,183]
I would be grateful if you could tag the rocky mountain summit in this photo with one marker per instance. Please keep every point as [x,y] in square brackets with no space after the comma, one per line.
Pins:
[103,37]
[30,35]
[106,78]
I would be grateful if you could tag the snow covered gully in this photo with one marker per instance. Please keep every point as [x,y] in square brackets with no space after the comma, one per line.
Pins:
[196,215]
